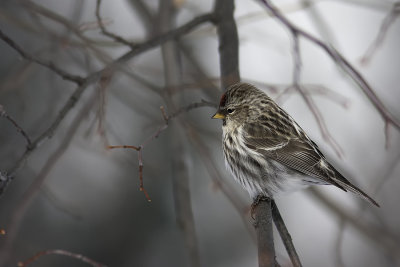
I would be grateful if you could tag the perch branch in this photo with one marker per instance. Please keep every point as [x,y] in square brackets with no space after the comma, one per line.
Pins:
[263,226]
[285,236]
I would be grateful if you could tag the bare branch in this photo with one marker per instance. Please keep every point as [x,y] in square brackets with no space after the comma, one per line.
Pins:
[146,16]
[382,240]
[341,61]
[95,76]
[47,64]
[162,38]
[316,89]
[45,135]
[285,236]
[17,216]
[153,136]
[102,90]
[60,252]
[114,36]
[4,114]
[228,42]
[386,23]
[195,105]
[140,160]
[307,99]
[263,227]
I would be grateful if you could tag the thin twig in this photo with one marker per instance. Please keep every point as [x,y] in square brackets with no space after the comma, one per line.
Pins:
[285,236]
[102,86]
[382,240]
[146,16]
[114,36]
[72,100]
[195,105]
[307,99]
[316,89]
[386,23]
[153,136]
[60,252]
[4,114]
[140,160]
[88,43]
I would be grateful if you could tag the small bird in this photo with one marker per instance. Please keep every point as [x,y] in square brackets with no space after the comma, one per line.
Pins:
[267,152]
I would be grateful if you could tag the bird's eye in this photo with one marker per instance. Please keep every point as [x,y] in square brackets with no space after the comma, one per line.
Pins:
[230,110]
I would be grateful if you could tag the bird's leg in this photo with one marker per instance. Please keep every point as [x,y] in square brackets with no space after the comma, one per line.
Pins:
[256,201]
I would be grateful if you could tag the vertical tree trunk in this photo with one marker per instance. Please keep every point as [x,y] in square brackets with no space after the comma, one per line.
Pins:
[180,174]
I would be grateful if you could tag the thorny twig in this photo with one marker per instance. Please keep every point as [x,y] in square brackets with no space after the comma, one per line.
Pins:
[342,62]
[60,252]
[4,114]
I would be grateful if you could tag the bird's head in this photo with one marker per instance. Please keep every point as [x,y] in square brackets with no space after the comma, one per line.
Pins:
[236,103]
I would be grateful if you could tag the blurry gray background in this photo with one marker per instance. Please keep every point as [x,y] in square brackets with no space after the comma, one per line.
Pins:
[89,200]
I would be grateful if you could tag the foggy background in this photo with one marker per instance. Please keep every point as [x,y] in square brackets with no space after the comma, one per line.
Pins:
[87,200]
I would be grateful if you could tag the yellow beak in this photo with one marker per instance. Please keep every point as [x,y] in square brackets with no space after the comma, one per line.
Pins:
[218,115]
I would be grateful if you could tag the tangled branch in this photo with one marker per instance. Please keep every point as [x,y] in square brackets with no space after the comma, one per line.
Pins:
[84,83]
[388,118]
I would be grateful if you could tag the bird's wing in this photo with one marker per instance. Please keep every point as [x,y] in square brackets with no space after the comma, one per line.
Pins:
[291,151]
[303,157]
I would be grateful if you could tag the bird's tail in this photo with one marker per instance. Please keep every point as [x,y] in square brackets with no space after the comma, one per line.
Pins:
[343,182]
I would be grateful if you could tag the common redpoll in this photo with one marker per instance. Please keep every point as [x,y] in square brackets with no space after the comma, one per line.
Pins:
[267,151]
